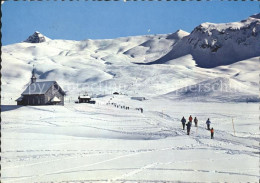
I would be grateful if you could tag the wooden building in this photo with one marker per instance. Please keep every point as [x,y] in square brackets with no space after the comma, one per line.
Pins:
[42,93]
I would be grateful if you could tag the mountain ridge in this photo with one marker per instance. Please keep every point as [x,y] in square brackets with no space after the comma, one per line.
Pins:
[106,66]
[213,45]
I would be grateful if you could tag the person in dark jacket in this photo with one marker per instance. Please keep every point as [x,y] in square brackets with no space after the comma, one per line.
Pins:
[196,121]
[208,124]
[188,127]
[183,121]
[212,133]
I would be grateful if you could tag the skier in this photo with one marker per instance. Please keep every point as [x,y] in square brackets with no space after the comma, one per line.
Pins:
[196,121]
[183,121]
[188,127]
[212,133]
[208,124]
[190,120]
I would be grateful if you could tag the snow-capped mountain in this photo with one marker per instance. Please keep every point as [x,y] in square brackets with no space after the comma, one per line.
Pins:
[133,65]
[37,37]
[213,45]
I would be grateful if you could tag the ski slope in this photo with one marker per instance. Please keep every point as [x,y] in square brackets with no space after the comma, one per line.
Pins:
[101,143]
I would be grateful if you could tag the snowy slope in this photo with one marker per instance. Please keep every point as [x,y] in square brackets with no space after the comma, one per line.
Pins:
[155,47]
[217,89]
[101,143]
[219,44]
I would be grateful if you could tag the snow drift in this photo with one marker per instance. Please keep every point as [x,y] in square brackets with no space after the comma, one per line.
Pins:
[216,89]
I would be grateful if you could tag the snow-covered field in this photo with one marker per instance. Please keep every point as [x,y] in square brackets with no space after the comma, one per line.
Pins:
[102,143]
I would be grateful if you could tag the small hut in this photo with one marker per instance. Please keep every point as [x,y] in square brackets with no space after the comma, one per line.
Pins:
[84,99]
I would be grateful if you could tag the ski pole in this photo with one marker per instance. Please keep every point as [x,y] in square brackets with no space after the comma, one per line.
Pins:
[233,127]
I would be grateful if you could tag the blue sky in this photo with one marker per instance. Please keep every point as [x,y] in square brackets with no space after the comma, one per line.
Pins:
[79,20]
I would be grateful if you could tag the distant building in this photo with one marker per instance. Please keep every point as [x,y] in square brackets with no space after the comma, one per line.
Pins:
[42,93]
[84,99]
[138,98]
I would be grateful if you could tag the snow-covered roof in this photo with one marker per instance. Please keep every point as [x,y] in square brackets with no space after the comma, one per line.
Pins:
[55,99]
[38,88]
[85,97]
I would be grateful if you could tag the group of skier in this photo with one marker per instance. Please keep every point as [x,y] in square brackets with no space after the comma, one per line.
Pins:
[189,124]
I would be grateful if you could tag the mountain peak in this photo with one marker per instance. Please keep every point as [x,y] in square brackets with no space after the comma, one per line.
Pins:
[257,16]
[181,31]
[36,37]
[178,34]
